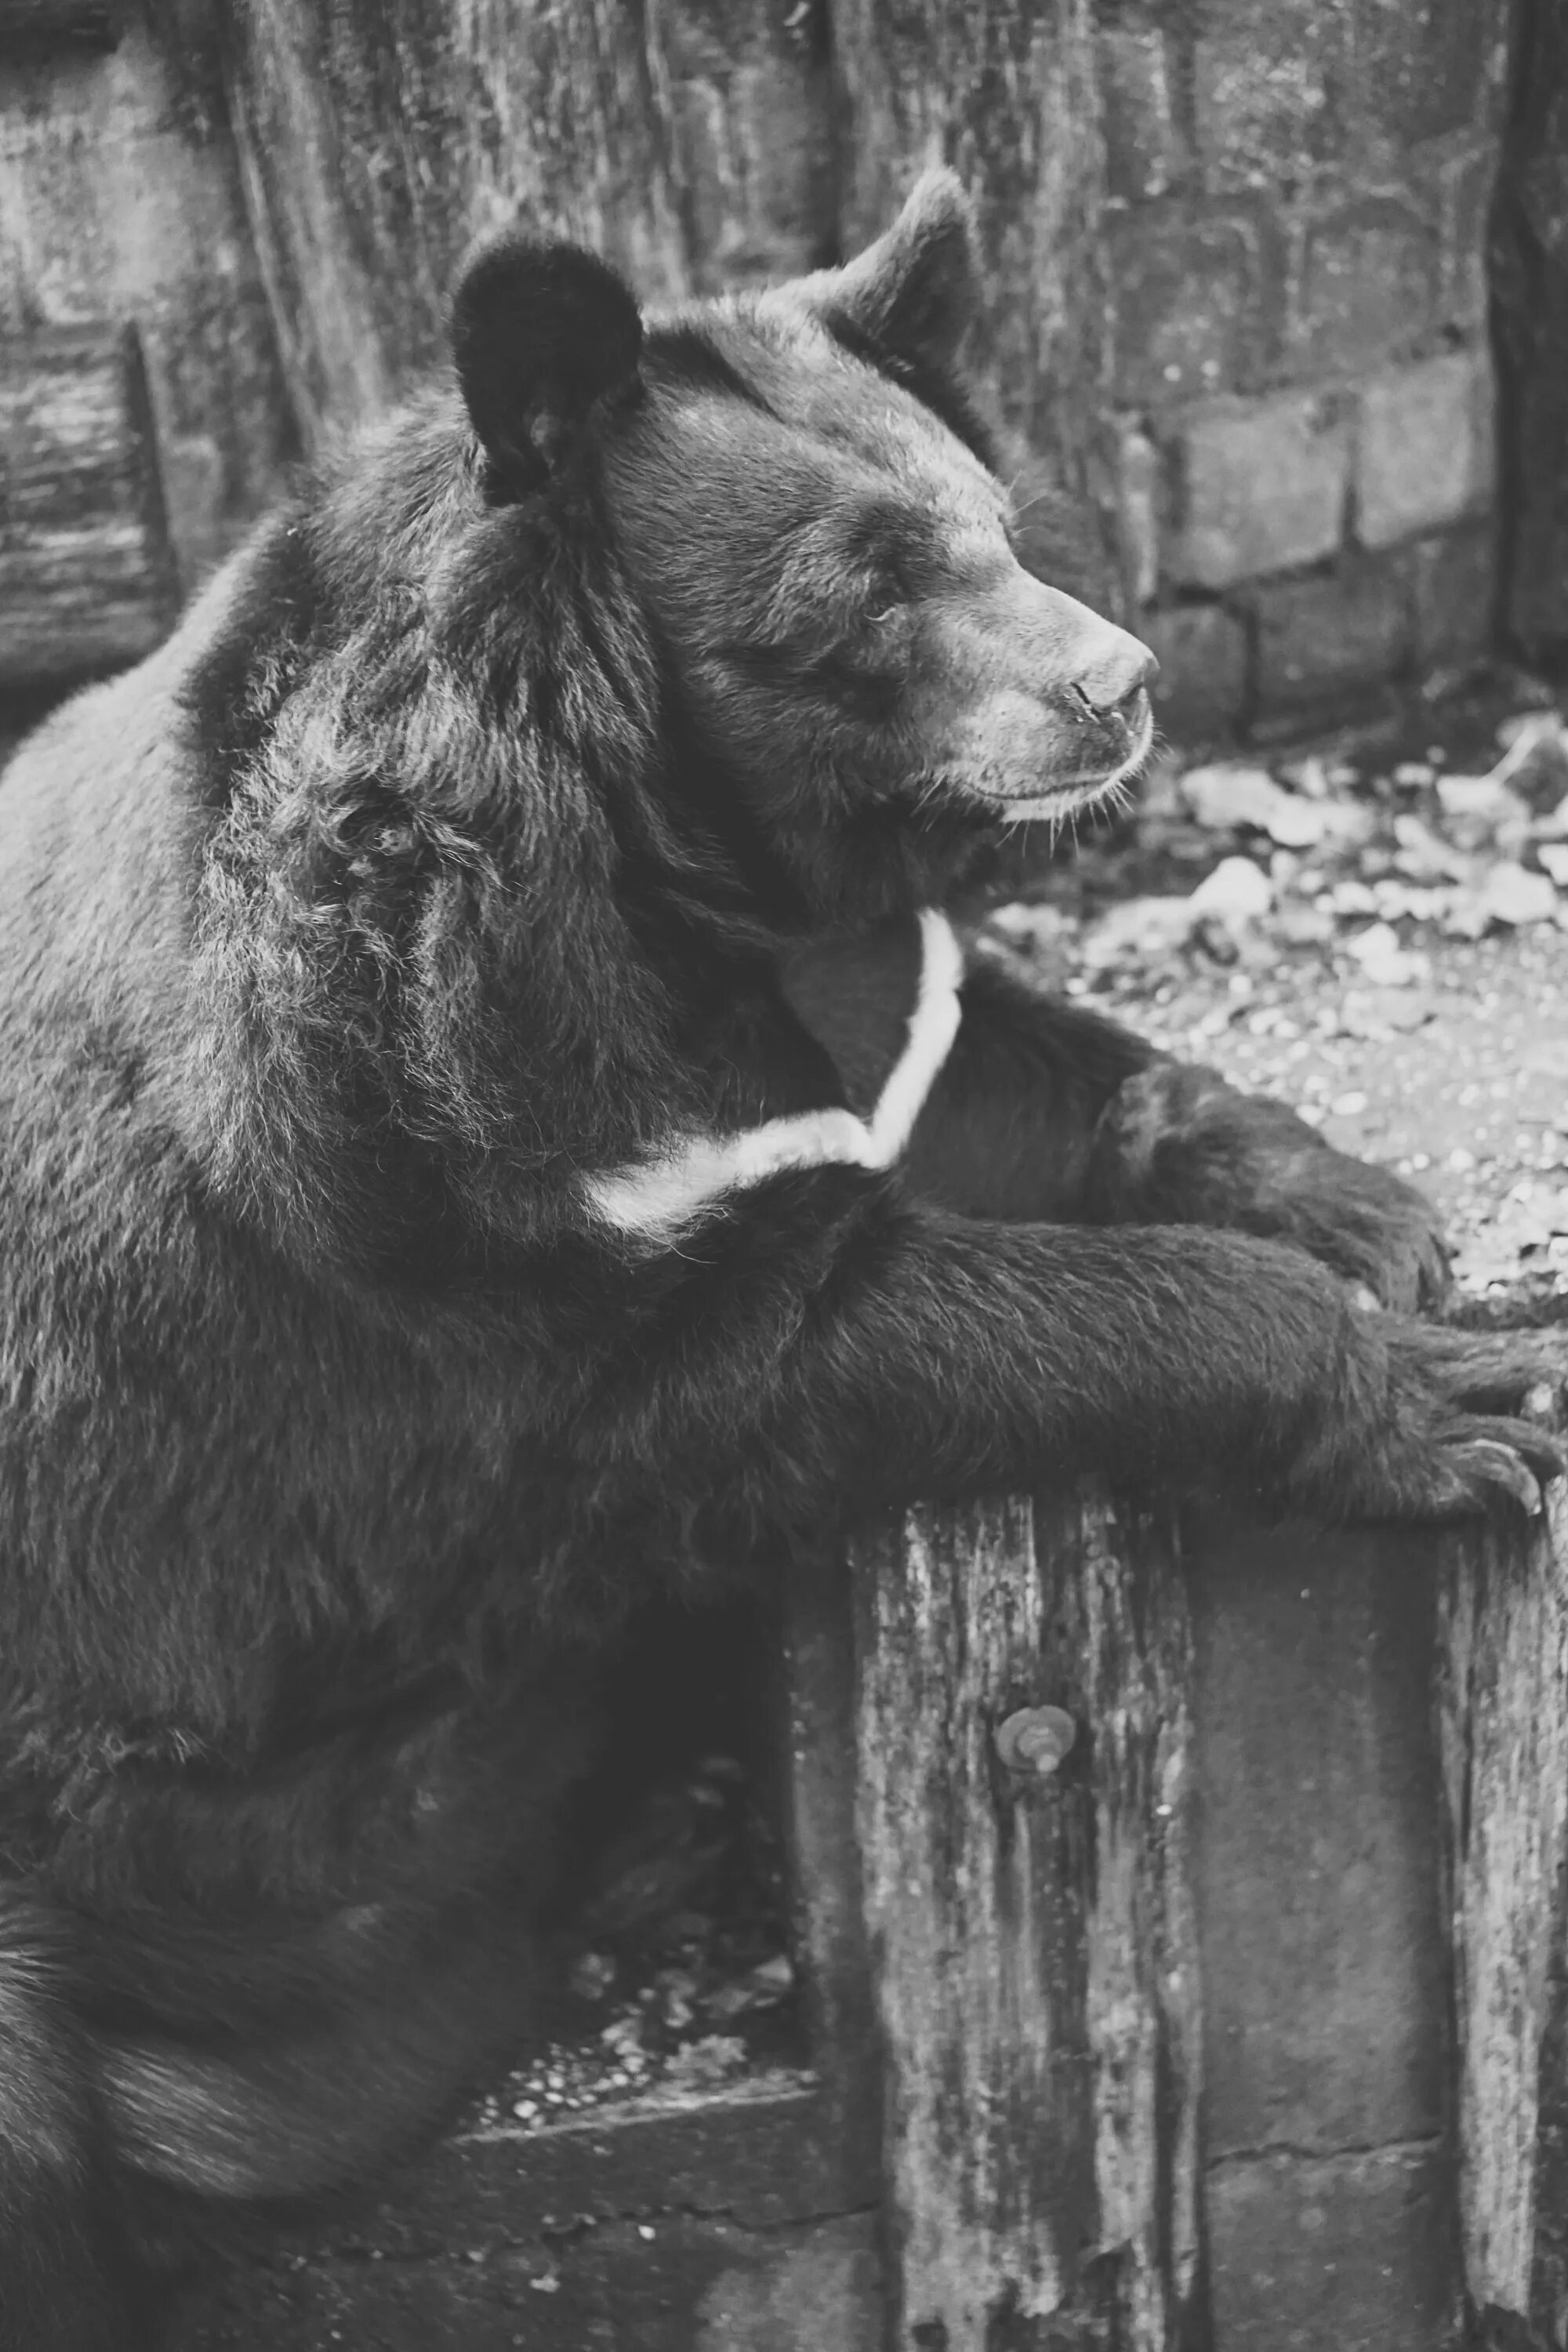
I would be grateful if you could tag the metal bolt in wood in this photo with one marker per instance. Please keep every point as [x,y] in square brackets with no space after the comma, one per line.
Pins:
[1033,1741]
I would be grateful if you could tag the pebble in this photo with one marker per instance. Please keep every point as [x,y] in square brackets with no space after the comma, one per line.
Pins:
[1237,891]
[1511,894]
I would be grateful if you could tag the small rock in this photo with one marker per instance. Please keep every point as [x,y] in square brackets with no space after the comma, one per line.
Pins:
[1396,899]
[1464,918]
[1509,895]
[1384,1012]
[1385,962]
[1237,891]
[1535,764]
[1349,1104]
[1229,794]
[1482,808]
[712,2060]
[1353,899]
[1298,926]
[1301,824]
[1410,775]
[1553,856]
[1423,855]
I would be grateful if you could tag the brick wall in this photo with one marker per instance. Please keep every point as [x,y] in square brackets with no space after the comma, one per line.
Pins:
[1298,198]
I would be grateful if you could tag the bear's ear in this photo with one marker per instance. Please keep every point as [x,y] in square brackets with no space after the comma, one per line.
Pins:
[914,292]
[539,333]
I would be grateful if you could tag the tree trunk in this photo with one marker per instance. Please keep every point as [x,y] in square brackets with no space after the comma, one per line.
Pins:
[687,143]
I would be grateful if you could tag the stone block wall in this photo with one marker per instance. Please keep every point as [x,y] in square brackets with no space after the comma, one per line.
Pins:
[1296,203]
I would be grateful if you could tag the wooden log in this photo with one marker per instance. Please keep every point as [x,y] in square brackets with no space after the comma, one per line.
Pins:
[1035,1957]
[1503,1716]
[87,579]
[1006,91]
[378,137]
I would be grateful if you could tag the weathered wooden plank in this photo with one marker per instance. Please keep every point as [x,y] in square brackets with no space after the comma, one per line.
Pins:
[1035,1959]
[120,198]
[1324,1953]
[1504,1728]
[764,2151]
[1006,91]
[87,575]
[378,137]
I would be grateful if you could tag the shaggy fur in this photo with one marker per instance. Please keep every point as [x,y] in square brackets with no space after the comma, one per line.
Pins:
[552,795]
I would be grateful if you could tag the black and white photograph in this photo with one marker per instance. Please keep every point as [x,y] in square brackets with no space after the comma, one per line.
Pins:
[784,1175]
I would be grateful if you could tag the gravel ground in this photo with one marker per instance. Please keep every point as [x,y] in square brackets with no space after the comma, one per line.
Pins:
[1381,940]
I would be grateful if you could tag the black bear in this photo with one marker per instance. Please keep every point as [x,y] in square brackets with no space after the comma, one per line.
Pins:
[494,1119]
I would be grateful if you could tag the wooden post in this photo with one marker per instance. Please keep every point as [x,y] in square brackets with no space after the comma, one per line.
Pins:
[1033,1952]
[1504,1727]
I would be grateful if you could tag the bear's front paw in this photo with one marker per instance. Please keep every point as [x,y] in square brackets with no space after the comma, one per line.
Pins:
[1448,1428]
[1369,1226]
[1176,1145]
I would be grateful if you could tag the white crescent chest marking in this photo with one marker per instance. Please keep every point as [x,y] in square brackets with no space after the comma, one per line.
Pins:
[661,1198]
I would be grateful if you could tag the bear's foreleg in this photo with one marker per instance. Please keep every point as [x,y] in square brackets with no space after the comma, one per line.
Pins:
[932,1355]
[1046,1110]
[1177,1145]
[1009,1125]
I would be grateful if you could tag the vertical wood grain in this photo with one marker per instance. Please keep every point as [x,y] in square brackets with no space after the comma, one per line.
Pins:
[86,573]
[684,140]
[1503,1719]
[1006,91]
[1033,1949]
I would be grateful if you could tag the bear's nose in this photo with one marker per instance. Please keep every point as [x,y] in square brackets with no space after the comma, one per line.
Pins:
[1123,668]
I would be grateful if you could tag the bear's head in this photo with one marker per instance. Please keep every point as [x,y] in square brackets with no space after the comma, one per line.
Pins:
[666,644]
[865,678]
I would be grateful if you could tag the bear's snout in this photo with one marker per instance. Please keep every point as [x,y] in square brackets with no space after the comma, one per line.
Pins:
[1047,703]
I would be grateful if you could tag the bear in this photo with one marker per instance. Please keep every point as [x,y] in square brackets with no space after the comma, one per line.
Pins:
[496,1118]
